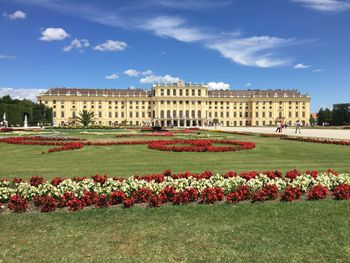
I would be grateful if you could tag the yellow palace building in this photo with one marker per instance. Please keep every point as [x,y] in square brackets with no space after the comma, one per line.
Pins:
[178,104]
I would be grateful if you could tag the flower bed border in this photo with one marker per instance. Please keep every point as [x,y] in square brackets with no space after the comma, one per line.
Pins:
[158,189]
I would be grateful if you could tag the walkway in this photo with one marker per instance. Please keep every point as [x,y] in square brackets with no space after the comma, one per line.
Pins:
[309,132]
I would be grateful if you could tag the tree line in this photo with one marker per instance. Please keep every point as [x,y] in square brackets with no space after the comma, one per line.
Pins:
[339,115]
[15,110]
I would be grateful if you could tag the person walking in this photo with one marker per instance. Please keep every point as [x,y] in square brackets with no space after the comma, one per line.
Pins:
[279,127]
[297,126]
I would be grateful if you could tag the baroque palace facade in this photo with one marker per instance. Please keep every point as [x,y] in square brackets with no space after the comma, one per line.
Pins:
[178,104]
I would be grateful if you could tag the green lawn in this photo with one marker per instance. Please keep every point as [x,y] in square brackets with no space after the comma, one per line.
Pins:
[271,232]
[270,153]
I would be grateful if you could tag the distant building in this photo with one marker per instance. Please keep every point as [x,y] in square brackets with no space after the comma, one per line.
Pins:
[179,104]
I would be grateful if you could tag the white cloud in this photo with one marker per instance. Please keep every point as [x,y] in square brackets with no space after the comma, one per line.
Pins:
[53,34]
[7,57]
[325,5]
[218,86]
[29,94]
[254,51]
[167,26]
[248,84]
[162,79]
[78,44]
[135,73]
[112,76]
[318,70]
[111,45]
[132,72]
[302,66]
[16,15]
[147,72]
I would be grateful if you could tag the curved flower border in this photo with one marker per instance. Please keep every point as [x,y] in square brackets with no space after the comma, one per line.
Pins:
[167,188]
[67,144]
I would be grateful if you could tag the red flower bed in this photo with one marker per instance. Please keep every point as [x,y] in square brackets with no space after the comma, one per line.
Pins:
[69,146]
[200,145]
[318,192]
[211,195]
[48,204]
[36,180]
[342,192]
[268,192]
[18,204]
[241,194]
[317,140]
[291,193]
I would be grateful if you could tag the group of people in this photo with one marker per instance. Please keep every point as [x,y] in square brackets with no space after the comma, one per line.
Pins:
[282,125]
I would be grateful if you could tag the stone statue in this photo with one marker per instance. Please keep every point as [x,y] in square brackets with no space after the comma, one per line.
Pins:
[25,123]
[5,121]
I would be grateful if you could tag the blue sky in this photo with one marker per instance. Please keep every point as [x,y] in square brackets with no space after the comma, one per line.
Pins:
[236,44]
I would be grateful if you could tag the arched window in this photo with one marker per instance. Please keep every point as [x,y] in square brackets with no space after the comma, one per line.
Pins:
[181,114]
[162,114]
[174,113]
[168,114]
[193,114]
[199,114]
[187,114]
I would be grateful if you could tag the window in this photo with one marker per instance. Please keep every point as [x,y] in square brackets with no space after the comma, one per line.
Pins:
[73,115]
[116,114]
[199,92]
[168,92]
[257,114]
[110,114]
[193,93]
[227,114]
[174,113]
[168,114]
[174,92]
[199,114]
[62,114]
[162,114]
[130,114]
[180,92]
[54,114]
[187,114]
[100,114]
[193,113]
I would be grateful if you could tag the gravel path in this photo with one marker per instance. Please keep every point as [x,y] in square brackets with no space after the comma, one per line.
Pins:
[314,132]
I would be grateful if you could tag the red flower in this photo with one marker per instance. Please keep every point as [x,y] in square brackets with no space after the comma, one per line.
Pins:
[291,194]
[117,197]
[128,203]
[155,200]
[48,204]
[102,201]
[292,174]
[317,192]
[211,195]
[75,204]
[142,195]
[36,180]
[268,192]
[341,192]
[241,194]
[18,204]
[56,181]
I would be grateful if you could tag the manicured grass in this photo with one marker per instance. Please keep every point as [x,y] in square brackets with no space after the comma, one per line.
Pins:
[270,153]
[271,232]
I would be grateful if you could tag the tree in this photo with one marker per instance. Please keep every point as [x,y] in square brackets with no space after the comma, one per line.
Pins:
[85,117]
[312,120]
[321,117]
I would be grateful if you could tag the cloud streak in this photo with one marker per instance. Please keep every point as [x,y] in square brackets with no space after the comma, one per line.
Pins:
[255,51]
[325,5]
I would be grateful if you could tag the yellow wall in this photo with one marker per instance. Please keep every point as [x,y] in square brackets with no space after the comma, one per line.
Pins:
[230,111]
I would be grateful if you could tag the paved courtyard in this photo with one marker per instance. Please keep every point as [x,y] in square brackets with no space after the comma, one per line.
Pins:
[309,132]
